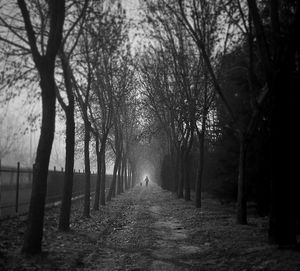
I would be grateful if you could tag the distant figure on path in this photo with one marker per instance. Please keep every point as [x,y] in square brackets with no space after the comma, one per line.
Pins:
[141,183]
[146,180]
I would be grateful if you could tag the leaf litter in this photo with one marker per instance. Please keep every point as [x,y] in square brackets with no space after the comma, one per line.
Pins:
[148,228]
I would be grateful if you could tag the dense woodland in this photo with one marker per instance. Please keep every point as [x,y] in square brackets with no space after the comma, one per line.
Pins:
[205,100]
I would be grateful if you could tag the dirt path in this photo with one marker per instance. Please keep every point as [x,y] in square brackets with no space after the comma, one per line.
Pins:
[156,231]
[144,236]
[147,228]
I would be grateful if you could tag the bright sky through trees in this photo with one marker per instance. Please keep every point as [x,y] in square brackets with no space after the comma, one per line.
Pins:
[23,139]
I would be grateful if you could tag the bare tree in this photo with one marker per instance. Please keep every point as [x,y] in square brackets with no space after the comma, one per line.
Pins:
[181,79]
[107,38]
[194,21]
[121,96]
[65,55]
[45,64]
[83,97]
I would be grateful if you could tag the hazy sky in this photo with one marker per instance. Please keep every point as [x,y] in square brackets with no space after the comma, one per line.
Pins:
[17,115]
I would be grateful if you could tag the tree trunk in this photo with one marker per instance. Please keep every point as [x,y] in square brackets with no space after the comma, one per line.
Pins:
[65,210]
[45,65]
[200,168]
[34,234]
[175,162]
[242,196]
[180,176]
[122,175]
[130,174]
[187,188]
[103,173]
[201,138]
[133,176]
[125,174]
[112,187]
[119,179]
[99,172]
[87,195]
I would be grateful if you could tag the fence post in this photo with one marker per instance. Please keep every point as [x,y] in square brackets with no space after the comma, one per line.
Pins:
[17,187]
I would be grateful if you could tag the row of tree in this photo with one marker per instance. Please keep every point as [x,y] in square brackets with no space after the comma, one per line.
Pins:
[211,79]
[78,52]
[216,73]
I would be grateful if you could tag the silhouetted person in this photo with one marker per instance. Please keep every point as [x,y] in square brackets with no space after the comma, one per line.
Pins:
[146,180]
[141,183]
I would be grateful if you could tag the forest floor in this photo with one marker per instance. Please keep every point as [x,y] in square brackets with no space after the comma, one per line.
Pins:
[147,228]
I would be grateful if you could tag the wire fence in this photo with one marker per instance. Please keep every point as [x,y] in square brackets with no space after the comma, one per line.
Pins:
[16,183]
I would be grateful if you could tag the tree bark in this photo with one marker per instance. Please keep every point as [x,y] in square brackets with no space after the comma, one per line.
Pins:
[180,176]
[87,194]
[119,179]
[133,176]
[201,138]
[103,174]
[187,188]
[175,162]
[125,174]
[130,175]
[45,65]
[34,233]
[65,210]
[122,176]
[112,187]
[241,198]
[99,172]
[186,157]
